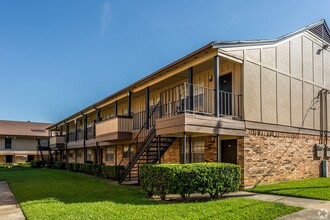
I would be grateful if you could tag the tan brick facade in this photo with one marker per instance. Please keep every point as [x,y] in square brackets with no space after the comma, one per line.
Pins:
[268,157]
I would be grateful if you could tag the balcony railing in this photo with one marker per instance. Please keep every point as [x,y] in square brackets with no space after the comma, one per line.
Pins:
[139,118]
[80,134]
[57,140]
[72,136]
[190,98]
[91,132]
[115,124]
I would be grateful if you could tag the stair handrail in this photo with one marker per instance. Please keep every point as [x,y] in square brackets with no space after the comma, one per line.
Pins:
[136,139]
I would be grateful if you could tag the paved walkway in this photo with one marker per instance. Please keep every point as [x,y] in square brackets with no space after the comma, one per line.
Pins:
[313,209]
[9,209]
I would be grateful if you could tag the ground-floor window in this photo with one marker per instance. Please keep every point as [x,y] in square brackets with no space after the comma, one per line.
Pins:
[130,154]
[71,153]
[89,155]
[79,153]
[195,149]
[110,154]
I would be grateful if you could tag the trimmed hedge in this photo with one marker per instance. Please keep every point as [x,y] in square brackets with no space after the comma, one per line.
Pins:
[215,179]
[36,163]
[11,165]
[59,165]
[110,172]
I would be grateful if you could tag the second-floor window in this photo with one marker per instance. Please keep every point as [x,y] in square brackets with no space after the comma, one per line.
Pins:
[7,143]
[110,154]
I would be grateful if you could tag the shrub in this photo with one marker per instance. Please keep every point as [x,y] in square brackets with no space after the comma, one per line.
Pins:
[96,170]
[112,172]
[86,168]
[215,179]
[59,165]
[36,163]
[50,164]
[76,167]
[68,166]
[11,165]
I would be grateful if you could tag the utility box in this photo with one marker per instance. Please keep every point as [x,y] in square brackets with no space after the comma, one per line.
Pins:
[324,167]
[319,150]
[327,151]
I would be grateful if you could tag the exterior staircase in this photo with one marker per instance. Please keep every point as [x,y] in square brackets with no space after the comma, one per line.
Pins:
[149,148]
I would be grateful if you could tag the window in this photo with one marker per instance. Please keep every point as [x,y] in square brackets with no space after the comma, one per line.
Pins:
[130,154]
[110,154]
[71,153]
[89,155]
[7,143]
[197,150]
[79,153]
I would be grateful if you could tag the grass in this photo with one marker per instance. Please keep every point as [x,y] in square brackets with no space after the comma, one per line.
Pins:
[57,194]
[314,188]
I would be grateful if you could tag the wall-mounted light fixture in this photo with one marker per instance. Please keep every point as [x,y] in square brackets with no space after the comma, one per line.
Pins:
[324,47]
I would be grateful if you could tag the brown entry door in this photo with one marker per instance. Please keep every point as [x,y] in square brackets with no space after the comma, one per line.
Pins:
[229,151]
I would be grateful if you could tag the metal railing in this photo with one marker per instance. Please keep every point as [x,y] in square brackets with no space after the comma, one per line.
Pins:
[91,132]
[139,118]
[195,99]
[72,136]
[80,134]
[141,136]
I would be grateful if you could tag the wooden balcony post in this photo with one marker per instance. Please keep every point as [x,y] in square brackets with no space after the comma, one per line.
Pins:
[191,89]
[66,141]
[147,106]
[129,101]
[216,86]
[218,143]
[76,130]
[116,108]
[184,148]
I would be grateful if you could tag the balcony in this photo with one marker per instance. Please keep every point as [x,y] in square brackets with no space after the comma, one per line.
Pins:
[57,142]
[116,128]
[191,108]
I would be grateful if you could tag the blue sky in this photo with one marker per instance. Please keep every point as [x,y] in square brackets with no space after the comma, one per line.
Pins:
[57,57]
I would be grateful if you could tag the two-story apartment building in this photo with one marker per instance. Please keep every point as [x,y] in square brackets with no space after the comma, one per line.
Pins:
[261,104]
[19,140]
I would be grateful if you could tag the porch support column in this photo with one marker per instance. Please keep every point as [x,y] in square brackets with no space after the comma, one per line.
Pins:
[216,86]
[191,89]
[158,150]
[85,137]
[184,146]
[98,115]
[66,141]
[97,153]
[147,105]
[76,130]
[129,101]
[218,143]
[190,151]
[116,108]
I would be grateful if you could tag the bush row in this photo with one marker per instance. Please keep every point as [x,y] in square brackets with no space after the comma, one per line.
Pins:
[215,179]
[111,172]
[10,165]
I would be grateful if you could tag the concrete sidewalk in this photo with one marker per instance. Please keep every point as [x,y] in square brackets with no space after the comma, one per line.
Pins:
[9,208]
[313,209]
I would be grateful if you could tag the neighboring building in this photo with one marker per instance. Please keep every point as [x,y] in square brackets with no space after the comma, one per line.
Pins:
[243,102]
[19,140]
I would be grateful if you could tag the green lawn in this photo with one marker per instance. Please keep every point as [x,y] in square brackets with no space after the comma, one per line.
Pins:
[57,194]
[315,188]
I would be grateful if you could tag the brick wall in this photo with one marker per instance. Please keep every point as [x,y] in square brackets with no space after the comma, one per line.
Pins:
[268,157]
[172,155]
[2,159]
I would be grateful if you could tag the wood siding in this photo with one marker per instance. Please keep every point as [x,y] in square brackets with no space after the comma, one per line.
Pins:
[281,80]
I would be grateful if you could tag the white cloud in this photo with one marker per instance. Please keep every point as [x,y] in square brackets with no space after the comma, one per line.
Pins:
[104,17]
